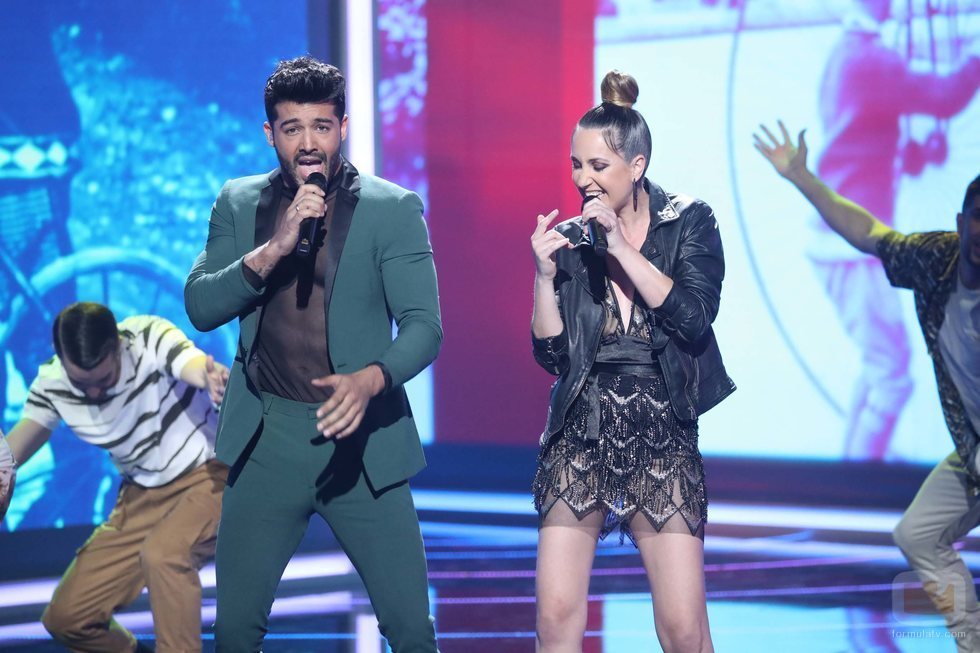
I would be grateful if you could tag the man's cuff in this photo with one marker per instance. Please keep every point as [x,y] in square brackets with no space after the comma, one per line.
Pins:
[253,278]
[385,373]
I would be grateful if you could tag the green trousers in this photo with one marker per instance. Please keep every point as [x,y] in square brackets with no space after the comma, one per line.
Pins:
[290,473]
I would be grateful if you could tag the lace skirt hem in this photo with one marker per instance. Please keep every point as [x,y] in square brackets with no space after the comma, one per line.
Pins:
[644,462]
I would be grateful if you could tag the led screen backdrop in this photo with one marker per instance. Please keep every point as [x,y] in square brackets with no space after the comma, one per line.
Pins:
[829,360]
[119,123]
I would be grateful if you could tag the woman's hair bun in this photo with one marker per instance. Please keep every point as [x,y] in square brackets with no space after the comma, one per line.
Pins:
[620,89]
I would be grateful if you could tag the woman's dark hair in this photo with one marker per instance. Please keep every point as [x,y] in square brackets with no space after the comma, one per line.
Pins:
[85,333]
[305,80]
[624,129]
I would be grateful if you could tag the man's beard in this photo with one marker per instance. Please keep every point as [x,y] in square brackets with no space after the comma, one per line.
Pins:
[330,167]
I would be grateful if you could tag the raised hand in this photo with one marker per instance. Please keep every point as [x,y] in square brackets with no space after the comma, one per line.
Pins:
[544,243]
[608,221]
[309,202]
[788,159]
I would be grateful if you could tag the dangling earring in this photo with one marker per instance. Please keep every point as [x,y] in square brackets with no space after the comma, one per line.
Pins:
[636,191]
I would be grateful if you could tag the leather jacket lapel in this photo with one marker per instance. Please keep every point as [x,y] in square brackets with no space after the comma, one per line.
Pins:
[590,271]
[660,246]
[662,210]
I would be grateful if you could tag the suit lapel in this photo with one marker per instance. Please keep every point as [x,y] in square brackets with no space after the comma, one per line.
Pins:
[265,212]
[265,224]
[340,222]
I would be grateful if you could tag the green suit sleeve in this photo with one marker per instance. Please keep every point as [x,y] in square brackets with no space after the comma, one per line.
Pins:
[216,290]
[411,292]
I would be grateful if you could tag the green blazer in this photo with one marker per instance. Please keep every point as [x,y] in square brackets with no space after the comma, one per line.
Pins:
[379,268]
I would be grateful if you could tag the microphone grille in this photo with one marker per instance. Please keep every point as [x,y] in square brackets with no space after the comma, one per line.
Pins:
[318,180]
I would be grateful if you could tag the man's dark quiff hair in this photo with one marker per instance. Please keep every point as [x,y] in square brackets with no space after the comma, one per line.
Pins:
[972,190]
[84,333]
[305,80]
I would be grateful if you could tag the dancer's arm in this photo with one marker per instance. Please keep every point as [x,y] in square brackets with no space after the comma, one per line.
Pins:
[853,222]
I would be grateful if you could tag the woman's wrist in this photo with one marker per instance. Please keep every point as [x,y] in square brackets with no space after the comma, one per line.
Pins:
[620,249]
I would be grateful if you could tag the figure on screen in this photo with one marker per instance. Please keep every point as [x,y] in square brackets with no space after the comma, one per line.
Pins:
[628,334]
[39,156]
[39,131]
[867,88]
[143,392]
[942,268]
[316,418]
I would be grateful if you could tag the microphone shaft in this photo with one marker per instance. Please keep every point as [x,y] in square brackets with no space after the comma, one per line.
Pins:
[308,228]
[598,234]
[307,233]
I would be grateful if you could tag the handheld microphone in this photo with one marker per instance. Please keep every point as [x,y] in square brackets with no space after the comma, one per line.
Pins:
[309,227]
[597,232]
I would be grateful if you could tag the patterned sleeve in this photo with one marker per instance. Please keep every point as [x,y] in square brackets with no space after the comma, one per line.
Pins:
[909,260]
[168,344]
[6,457]
[38,407]
[7,478]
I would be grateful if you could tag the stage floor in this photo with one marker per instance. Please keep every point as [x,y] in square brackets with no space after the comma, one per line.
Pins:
[779,578]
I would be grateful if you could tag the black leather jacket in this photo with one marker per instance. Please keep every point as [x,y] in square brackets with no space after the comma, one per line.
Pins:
[683,242]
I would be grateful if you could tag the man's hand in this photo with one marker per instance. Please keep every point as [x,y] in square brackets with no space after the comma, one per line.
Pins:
[341,414]
[789,160]
[309,203]
[216,378]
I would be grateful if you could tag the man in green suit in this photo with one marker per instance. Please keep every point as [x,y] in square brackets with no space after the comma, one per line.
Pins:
[315,417]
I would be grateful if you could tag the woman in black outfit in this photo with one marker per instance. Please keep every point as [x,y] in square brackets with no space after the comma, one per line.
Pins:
[628,334]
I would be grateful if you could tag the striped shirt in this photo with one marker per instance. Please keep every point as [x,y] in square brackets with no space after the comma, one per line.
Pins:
[154,426]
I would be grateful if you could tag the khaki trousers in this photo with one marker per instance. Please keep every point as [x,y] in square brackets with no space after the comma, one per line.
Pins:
[156,538]
[944,511]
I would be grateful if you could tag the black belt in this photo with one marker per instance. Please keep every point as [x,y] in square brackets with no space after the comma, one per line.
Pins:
[627,369]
